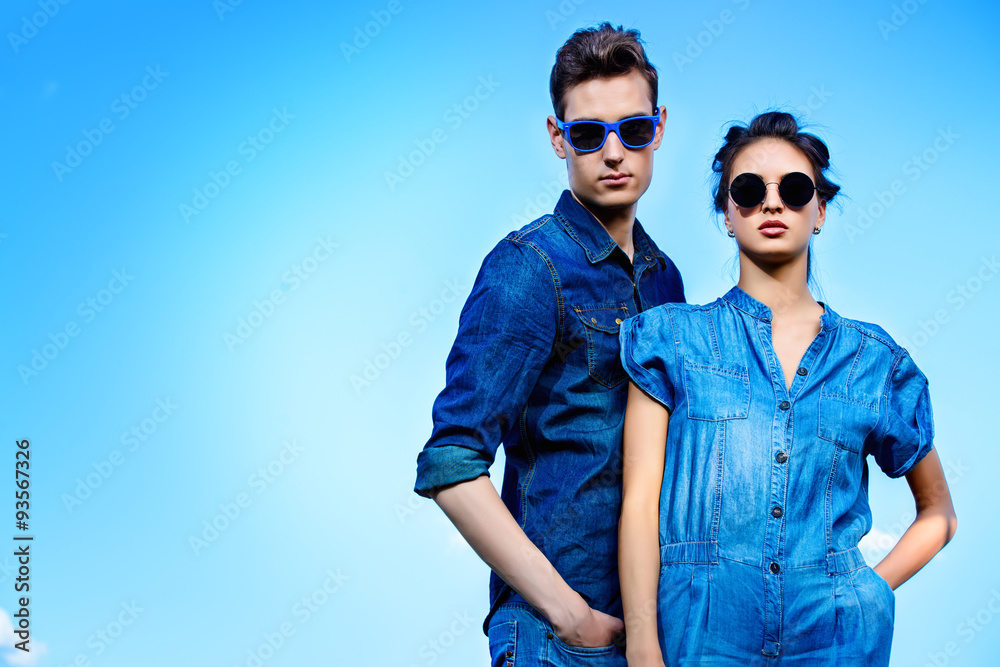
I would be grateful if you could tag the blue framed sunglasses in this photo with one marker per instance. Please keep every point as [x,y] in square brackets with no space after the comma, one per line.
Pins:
[587,136]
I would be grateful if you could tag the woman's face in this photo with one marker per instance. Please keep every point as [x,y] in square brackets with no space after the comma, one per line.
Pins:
[773,232]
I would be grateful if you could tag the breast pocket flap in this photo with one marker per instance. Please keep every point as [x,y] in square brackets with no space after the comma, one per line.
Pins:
[601,324]
[716,389]
[846,421]
[603,318]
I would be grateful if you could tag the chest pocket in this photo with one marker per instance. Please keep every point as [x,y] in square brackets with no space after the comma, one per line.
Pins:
[601,323]
[716,389]
[845,421]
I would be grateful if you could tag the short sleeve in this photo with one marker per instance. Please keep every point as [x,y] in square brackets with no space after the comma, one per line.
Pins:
[907,433]
[648,353]
[505,336]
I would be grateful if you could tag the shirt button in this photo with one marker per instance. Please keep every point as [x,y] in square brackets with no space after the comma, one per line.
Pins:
[777,512]
[548,635]
[781,457]
[784,405]
[594,320]
[802,370]
[618,320]
[775,568]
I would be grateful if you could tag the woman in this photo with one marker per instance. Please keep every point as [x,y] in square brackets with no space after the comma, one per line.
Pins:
[740,522]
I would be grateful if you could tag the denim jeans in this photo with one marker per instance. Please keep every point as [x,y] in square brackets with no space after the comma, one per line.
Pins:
[520,637]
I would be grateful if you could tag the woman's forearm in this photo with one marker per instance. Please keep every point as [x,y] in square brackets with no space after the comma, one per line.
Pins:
[643,448]
[639,570]
[933,527]
[927,535]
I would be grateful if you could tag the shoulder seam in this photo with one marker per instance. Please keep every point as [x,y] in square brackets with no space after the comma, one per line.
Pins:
[518,235]
[867,331]
[554,275]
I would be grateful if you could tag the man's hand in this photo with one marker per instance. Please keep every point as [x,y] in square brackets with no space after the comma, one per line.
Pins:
[587,628]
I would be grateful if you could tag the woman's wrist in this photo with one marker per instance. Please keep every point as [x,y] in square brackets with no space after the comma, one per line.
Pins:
[643,653]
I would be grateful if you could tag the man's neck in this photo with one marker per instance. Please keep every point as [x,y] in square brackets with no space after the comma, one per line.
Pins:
[617,222]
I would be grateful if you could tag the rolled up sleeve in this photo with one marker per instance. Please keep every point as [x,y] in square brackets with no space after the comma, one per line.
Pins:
[907,433]
[505,337]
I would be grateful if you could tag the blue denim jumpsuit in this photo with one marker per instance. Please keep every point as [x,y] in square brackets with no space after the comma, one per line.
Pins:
[765,489]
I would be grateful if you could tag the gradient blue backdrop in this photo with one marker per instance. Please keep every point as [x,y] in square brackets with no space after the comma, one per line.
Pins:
[237,237]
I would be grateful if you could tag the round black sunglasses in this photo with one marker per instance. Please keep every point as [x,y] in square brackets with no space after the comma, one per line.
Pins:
[748,190]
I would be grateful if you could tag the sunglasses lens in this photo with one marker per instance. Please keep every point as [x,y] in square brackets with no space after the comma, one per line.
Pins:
[747,190]
[796,189]
[637,132]
[586,136]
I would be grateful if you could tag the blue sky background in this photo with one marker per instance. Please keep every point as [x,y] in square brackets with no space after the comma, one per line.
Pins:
[339,208]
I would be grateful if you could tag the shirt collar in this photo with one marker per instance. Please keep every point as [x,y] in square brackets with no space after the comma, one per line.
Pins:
[751,306]
[587,230]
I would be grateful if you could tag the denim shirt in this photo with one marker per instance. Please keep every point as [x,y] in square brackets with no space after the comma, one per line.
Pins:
[766,486]
[536,365]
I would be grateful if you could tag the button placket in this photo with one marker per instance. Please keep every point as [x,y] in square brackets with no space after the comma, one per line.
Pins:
[775,533]
[782,429]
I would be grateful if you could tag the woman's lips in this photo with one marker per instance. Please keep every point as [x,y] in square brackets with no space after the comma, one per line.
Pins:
[772,228]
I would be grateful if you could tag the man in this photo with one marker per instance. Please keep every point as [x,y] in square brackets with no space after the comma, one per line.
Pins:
[535,365]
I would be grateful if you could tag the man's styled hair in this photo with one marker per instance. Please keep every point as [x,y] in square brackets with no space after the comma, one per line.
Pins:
[593,53]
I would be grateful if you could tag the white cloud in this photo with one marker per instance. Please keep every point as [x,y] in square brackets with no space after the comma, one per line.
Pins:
[876,544]
[14,656]
[457,544]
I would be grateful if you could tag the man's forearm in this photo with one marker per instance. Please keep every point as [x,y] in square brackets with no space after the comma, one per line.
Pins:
[484,521]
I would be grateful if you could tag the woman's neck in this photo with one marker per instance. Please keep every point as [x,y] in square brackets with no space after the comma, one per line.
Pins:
[782,288]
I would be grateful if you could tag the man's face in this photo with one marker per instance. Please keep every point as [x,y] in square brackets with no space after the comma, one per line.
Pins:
[613,176]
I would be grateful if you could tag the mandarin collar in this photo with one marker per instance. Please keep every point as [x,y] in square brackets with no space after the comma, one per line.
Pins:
[754,308]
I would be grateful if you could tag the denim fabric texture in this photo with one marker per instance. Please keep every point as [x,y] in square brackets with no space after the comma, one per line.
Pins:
[536,366]
[521,637]
[765,489]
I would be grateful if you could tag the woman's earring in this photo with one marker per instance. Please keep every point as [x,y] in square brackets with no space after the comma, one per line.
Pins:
[732,234]
[816,231]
